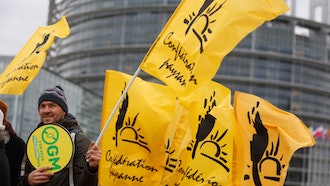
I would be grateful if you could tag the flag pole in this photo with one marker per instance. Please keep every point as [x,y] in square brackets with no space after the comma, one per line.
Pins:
[117,105]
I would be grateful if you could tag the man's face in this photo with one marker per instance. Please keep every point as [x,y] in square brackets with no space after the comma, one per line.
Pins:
[50,112]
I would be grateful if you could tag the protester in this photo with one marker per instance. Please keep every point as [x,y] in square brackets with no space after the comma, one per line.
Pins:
[52,107]
[12,150]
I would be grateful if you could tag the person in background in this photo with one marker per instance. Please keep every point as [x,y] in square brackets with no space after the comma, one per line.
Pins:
[52,107]
[12,149]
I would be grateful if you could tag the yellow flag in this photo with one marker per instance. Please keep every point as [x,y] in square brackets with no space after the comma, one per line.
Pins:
[28,62]
[189,50]
[177,140]
[207,158]
[134,144]
[271,136]
[224,114]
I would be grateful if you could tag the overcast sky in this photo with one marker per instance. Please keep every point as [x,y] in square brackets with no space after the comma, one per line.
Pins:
[19,19]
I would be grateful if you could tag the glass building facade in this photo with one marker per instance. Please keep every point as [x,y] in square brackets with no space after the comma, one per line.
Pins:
[285,61]
[85,105]
[108,34]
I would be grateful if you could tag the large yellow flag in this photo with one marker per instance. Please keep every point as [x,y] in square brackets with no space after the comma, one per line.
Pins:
[207,158]
[189,50]
[135,142]
[271,136]
[28,62]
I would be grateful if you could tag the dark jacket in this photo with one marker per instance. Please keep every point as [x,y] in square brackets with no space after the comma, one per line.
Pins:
[12,149]
[82,174]
[15,149]
[4,166]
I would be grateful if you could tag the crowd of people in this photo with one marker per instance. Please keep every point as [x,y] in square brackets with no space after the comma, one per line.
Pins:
[17,169]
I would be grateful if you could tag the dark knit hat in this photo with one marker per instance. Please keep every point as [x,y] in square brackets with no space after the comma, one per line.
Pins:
[3,108]
[56,95]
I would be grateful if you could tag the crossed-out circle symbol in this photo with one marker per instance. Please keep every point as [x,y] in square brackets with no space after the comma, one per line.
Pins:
[50,135]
